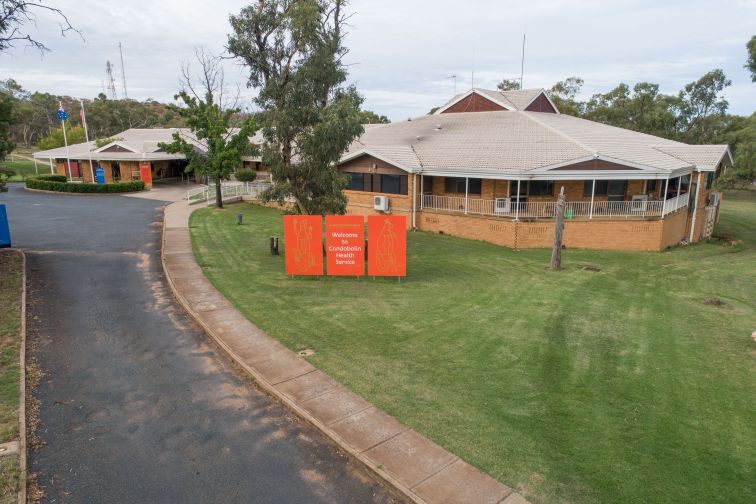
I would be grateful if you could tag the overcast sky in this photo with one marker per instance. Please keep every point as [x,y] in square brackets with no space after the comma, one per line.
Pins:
[401,51]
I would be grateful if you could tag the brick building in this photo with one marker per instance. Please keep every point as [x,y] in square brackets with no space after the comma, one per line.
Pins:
[128,156]
[489,165]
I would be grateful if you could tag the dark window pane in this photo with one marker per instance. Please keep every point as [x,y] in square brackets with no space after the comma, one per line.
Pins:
[403,187]
[475,186]
[684,183]
[651,185]
[391,184]
[356,181]
[542,188]
[454,185]
[601,187]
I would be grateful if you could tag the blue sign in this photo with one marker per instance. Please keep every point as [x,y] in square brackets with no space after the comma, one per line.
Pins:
[5,240]
[62,115]
[99,175]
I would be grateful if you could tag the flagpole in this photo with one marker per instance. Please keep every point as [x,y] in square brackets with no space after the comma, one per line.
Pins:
[62,115]
[86,135]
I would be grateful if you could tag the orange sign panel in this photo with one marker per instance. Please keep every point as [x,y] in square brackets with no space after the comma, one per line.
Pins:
[145,174]
[387,245]
[345,245]
[303,242]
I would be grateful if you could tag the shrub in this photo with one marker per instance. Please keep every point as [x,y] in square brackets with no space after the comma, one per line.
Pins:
[72,187]
[52,177]
[246,175]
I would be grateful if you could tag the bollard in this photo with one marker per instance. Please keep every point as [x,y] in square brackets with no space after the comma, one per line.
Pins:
[238,219]
[274,245]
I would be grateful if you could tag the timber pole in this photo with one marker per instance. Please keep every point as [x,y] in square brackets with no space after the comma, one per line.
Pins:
[556,251]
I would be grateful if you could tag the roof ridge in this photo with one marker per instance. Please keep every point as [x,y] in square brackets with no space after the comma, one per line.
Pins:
[561,133]
[419,161]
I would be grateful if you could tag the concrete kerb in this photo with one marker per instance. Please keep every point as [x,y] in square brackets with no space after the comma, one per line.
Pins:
[463,486]
[22,390]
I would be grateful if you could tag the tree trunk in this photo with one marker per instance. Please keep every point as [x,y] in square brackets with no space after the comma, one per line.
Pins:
[218,194]
[556,251]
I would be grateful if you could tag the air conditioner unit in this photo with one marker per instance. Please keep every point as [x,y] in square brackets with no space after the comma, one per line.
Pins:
[381,203]
[714,199]
[503,205]
[639,203]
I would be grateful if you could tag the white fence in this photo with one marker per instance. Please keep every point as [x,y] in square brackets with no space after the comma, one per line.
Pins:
[510,208]
[230,191]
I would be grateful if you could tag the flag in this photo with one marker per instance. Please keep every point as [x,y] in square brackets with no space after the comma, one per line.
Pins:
[62,113]
[82,115]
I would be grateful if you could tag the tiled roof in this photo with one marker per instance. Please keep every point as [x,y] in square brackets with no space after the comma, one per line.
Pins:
[512,142]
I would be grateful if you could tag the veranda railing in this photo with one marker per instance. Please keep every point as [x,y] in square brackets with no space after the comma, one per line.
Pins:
[510,208]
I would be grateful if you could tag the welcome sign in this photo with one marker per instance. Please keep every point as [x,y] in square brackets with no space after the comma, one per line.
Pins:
[345,245]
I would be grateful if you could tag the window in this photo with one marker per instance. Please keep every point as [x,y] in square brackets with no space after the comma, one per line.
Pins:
[684,184]
[541,188]
[458,184]
[710,176]
[391,184]
[356,181]
[115,170]
[602,187]
[650,185]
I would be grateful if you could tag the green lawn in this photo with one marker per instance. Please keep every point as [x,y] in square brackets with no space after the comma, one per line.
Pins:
[23,168]
[10,319]
[576,386]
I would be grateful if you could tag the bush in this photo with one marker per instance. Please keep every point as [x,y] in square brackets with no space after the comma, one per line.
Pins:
[72,187]
[245,175]
[51,177]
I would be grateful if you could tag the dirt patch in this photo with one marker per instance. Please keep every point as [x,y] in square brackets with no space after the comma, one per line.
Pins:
[713,301]
[591,268]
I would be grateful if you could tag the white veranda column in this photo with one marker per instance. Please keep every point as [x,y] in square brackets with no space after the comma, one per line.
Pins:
[517,204]
[467,190]
[593,193]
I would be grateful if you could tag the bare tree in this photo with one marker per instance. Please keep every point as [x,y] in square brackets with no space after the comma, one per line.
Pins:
[16,15]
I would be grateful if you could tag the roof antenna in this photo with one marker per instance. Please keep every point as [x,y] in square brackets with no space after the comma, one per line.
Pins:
[473,70]
[522,63]
[455,82]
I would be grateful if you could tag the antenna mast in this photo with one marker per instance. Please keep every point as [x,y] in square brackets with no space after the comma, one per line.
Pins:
[455,82]
[123,73]
[522,63]
[111,81]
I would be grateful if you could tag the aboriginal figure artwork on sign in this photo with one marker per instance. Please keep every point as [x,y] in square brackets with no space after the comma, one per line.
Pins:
[303,254]
[386,254]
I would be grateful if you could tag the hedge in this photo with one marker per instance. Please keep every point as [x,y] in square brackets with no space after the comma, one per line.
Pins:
[46,184]
[50,177]
[245,175]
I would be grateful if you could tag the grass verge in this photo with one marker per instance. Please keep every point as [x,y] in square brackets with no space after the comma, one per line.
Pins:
[23,168]
[11,264]
[620,385]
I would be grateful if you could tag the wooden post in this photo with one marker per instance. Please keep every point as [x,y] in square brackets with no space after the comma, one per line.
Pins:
[556,251]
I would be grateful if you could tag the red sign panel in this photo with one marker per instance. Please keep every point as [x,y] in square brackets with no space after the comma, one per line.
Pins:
[145,174]
[387,245]
[345,245]
[303,243]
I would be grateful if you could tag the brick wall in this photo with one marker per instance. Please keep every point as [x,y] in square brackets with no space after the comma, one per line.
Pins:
[640,235]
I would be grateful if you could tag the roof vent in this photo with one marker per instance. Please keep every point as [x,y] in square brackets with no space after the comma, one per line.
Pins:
[409,119]
[438,126]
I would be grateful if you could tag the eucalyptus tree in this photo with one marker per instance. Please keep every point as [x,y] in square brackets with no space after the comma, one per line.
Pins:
[294,50]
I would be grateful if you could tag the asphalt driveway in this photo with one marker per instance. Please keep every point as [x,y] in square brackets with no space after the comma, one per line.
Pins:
[135,404]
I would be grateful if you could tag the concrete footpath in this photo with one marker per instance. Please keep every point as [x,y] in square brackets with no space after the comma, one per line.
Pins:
[415,466]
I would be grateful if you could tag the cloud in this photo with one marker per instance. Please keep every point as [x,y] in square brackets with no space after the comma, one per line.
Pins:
[402,51]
